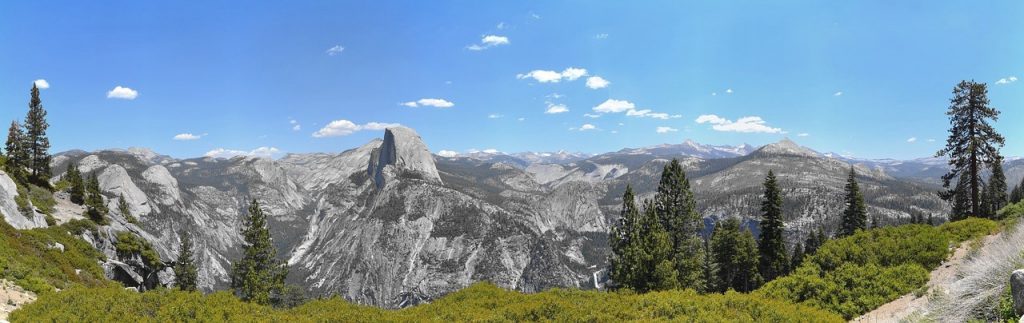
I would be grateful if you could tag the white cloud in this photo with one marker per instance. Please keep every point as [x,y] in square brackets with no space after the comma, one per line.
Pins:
[1007,80]
[334,51]
[728,91]
[601,36]
[751,124]
[931,140]
[344,127]
[491,151]
[912,139]
[803,134]
[665,129]
[614,106]
[295,125]
[545,76]
[556,108]
[521,119]
[502,25]
[597,82]
[591,115]
[187,136]
[587,126]
[714,93]
[840,93]
[555,96]
[494,116]
[448,153]
[42,84]
[437,103]
[228,153]
[489,41]
[124,93]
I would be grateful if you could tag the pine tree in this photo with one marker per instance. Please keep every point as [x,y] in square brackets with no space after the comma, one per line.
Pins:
[76,185]
[972,144]
[623,262]
[641,257]
[17,156]
[734,252]
[855,217]
[798,256]
[771,247]
[1018,192]
[656,244]
[36,142]
[95,209]
[997,197]
[259,276]
[185,273]
[125,210]
[986,203]
[676,210]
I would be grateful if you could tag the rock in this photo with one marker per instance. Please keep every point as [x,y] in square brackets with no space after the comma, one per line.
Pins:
[57,245]
[116,181]
[122,272]
[1017,290]
[169,194]
[405,151]
[9,208]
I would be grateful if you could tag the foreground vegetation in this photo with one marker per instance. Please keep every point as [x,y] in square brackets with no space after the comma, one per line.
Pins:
[853,275]
[41,260]
[479,302]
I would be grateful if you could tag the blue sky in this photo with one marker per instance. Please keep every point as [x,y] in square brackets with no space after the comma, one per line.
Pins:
[858,77]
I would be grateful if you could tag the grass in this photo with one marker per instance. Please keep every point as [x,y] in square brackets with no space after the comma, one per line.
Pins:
[480,302]
[30,259]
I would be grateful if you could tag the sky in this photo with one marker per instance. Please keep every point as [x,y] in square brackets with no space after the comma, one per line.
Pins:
[870,79]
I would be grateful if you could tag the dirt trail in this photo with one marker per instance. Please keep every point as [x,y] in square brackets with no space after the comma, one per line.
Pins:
[12,297]
[939,281]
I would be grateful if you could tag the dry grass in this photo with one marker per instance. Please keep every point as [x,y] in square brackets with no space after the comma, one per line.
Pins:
[983,277]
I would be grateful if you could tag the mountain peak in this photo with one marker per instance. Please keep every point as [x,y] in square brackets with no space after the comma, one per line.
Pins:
[787,147]
[404,151]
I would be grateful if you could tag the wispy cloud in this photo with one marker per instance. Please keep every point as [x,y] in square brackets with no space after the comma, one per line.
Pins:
[601,36]
[448,153]
[489,41]
[750,124]
[619,106]
[839,93]
[187,136]
[912,139]
[1007,80]
[123,93]
[597,82]
[342,127]
[268,152]
[728,91]
[556,108]
[547,76]
[42,84]
[495,116]
[804,134]
[295,125]
[334,51]
[665,129]
[427,102]
[587,126]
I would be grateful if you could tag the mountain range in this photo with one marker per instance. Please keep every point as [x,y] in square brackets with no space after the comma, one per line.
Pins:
[392,225]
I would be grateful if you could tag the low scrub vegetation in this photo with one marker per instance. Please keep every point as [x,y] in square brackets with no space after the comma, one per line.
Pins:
[853,275]
[41,260]
[479,302]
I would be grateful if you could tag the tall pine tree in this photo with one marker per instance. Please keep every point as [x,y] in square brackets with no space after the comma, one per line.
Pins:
[1018,192]
[997,197]
[734,253]
[185,273]
[856,216]
[623,262]
[676,210]
[95,209]
[972,145]
[259,276]
[17,156]
[76,185]
[36,142]
[641,249]
[771,247]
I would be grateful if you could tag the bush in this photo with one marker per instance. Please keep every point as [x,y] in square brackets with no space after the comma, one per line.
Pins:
[889,246]
[1011,211]
[42,199]
[478,302]
[129,244]
[28,258]
[969,228]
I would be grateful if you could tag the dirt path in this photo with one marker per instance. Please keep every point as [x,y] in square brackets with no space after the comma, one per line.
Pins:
[12,297]
[939,281]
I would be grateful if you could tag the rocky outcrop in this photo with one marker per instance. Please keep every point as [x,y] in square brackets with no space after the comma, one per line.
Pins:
[1017,290]
[402,153]
[115,180]
[20,219]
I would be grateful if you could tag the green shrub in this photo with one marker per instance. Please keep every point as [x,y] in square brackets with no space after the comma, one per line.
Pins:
[42,199]
[969,228]
[889,246]
[29,258]
[129,244]
[1012,211]
[478,303]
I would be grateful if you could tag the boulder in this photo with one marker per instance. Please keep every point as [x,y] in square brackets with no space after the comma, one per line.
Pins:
[1017,290]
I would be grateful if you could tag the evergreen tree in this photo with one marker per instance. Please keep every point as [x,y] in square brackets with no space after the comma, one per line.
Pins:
[641,249]
[972,144]
[95,209]
[771,247]
[17,156]
[676,210]
[37,144]
[76,185]
[185,273]
[734,252]
[623,261]
[855,217]
[1018,192]
[997,197]
[125,209]
[814,241]
[798,256]
[259,276]
[986,203]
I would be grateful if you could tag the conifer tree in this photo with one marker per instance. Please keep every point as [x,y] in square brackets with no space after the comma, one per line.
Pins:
[37,144]
[259,276]
[17,156]
[125,210]
[798,256]
[76,185]
[1018,192]
[676,210]
[622,236]
[771,247]
[641,249]
[185,273]
[997,197]
[734,252]
[855,217]
[972,145]
[95,209]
